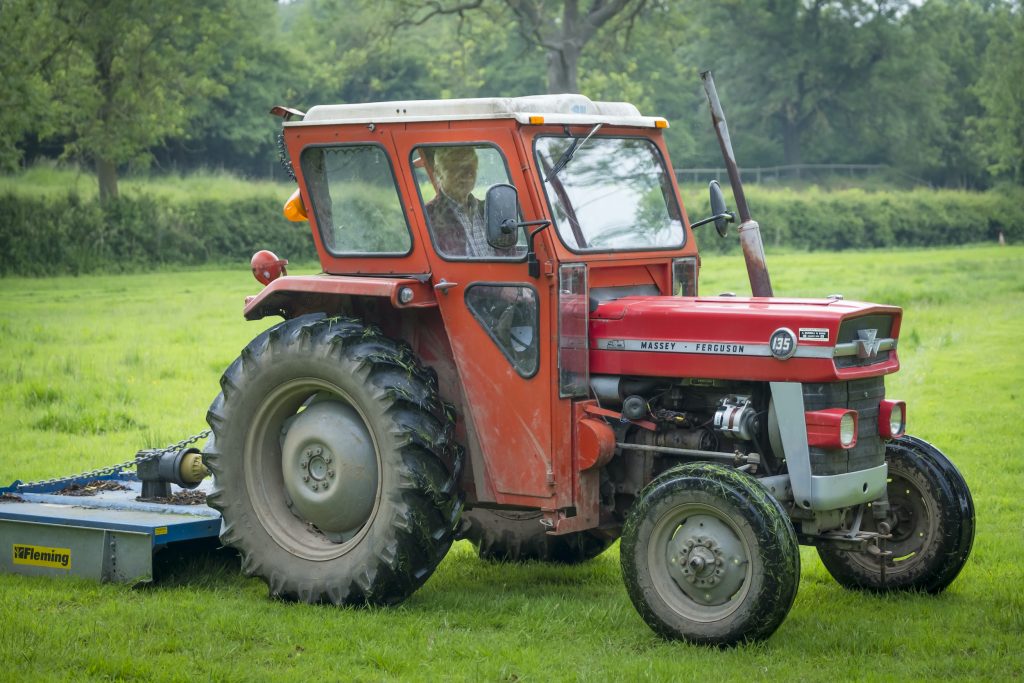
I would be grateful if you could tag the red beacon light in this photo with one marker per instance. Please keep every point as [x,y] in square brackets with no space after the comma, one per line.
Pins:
[267,267]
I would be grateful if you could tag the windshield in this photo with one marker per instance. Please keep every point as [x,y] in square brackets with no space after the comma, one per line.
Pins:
[614,194]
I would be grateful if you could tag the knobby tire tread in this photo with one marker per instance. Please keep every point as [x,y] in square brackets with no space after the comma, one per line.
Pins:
[422,509]
[777,548]
[955,538]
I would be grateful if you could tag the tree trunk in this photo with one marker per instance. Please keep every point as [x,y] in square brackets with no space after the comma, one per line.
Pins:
[563,69]
[106,168]
[106,172]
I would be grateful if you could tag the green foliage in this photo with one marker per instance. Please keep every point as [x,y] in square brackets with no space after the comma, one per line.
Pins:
[153,346]
[51,222]
[1001,92]
[854,219]
[933,88]
[24,93]
[58,180]
[45,236]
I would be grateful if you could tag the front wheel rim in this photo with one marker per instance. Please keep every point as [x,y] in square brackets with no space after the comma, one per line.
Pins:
[913,526]
[711,574]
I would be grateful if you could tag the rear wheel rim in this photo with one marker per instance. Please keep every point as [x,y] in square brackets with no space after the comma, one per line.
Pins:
[265,477]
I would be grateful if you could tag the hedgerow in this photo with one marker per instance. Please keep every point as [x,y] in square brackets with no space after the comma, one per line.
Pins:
[69,235]
[813,219]
[66,234]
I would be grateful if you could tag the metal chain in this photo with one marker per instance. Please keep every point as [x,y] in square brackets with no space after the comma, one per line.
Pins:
[142,456]
[282,155]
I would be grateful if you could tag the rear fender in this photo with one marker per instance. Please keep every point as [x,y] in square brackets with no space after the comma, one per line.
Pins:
[416,322]
[291,296]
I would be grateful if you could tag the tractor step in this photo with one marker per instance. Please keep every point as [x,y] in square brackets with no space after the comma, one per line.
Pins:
[96,528]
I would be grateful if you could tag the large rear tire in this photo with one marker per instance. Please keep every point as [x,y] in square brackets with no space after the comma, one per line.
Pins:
[514,536]
[708,556]
[931,520]
[333,463]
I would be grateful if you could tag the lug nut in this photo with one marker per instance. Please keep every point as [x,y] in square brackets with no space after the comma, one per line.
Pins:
[303,464]
[317,450]
[305,478]
[325,485]
[327,459]
[330,473]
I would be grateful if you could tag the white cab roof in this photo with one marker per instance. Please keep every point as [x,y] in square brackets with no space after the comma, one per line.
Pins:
[557,109]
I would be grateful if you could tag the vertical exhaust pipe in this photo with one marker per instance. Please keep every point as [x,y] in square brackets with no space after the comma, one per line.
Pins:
[749,230]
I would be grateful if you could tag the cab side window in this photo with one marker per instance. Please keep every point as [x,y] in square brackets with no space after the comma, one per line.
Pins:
[355,200]
[453,182]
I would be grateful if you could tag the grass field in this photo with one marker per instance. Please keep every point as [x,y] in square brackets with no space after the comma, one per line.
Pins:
[94,368]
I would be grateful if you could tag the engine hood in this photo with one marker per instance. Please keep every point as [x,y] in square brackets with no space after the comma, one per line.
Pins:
[744,338]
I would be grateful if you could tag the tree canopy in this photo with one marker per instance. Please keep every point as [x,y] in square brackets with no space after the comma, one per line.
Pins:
[934,88]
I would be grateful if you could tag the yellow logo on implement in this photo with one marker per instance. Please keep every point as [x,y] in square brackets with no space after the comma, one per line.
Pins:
[41,556]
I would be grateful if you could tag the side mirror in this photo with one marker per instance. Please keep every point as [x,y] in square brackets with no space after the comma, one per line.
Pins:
[719,210]
[501,210]
[720,214]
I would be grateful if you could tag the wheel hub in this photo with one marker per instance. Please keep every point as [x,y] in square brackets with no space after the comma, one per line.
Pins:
[317,460]
[706,560]
[330,468]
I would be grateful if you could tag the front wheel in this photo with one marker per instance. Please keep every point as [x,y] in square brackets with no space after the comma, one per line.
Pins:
[708,556]
[931,522]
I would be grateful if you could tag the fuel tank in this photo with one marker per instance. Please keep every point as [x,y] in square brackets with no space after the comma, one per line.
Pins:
[744,338]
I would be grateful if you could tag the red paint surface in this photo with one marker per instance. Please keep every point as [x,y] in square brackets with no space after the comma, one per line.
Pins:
[823,428]
[739,320]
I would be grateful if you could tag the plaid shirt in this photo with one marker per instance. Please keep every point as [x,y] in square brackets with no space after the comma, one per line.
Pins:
[459,231]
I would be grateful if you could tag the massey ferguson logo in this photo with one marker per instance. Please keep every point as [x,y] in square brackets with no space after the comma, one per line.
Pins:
[867,345]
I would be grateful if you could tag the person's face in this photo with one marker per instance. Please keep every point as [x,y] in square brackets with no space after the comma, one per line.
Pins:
[456,173]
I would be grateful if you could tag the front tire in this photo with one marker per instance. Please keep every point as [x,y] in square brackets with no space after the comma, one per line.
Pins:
[514,536]
[333,465]
[708,556]
[931,520]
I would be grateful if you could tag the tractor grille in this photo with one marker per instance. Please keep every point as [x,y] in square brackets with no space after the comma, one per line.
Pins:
[882,324]
[862,395]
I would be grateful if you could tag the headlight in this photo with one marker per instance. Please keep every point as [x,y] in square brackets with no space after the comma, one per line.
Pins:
[848,430]
[833,428]
[892,418]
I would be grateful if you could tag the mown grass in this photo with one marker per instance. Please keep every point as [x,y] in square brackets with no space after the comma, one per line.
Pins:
[94,368]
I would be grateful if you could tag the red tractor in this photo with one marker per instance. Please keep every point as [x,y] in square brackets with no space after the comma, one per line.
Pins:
[507,345]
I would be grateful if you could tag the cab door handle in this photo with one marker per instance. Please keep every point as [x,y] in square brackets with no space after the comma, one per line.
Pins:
[443,286]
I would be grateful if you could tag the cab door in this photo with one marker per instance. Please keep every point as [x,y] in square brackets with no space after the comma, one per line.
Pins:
[498,319]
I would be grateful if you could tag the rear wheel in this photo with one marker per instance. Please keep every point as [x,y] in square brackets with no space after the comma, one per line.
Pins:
[515,536]
[334,469]
[709,557]
[931,520]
